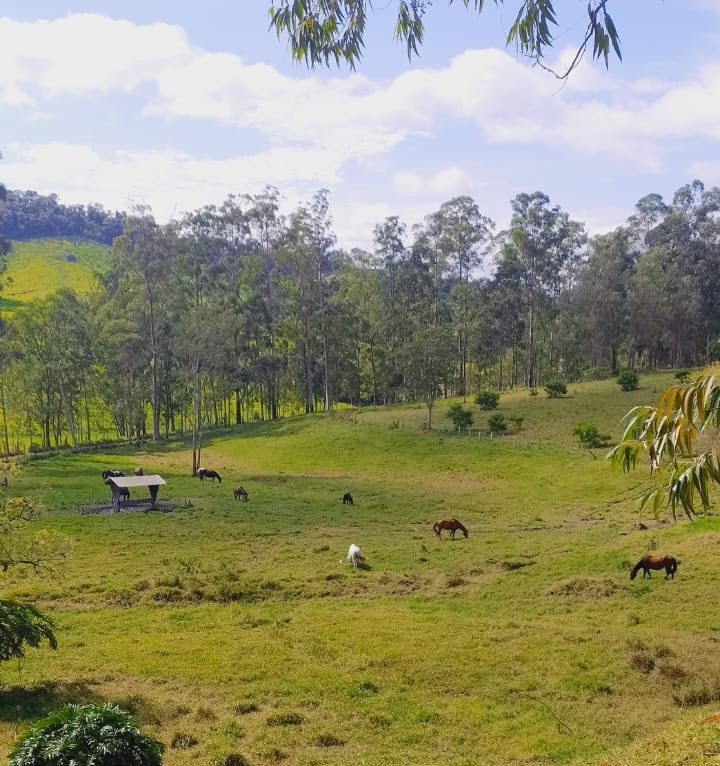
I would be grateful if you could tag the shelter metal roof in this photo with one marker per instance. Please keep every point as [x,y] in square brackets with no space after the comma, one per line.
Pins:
[152,480]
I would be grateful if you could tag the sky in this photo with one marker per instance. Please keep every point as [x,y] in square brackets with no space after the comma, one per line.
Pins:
[177,104]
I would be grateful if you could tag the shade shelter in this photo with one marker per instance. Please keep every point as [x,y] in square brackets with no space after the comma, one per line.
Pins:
[153,482]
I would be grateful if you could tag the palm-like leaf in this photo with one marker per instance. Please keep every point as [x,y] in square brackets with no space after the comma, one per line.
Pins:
[668,433]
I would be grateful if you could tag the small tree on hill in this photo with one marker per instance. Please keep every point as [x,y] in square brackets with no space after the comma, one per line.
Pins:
[460,417]
[555,389]
[488,400]
[87,734]
[589,436]
[628,380]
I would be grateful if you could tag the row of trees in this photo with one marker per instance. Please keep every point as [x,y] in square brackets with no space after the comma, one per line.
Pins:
[29,215]
[238,311]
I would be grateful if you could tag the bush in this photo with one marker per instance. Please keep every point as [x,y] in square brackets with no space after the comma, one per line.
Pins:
[84,734]
[460,417]
[488,400]
[628,380]
[497,423]
[683,376]
[590,436]
[555,389]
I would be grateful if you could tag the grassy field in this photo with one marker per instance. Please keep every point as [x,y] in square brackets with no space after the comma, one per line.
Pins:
[238,628]
[40,267]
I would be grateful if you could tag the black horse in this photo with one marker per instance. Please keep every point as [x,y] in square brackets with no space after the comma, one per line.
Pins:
[106,474]
[347,499]
[204,473]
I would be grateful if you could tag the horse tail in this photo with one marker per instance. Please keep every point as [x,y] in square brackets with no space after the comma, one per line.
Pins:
[636,569]
[673,564]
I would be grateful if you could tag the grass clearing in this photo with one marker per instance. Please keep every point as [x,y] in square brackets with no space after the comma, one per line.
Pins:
[237,633]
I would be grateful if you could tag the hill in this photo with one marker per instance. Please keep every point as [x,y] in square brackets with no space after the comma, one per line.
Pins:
[40,267]
[236,629]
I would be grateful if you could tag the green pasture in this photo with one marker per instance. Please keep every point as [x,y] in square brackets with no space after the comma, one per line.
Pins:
[38,268]
[238,628]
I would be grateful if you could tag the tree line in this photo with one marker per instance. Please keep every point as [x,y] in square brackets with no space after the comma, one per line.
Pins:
[29,215]
[238,312]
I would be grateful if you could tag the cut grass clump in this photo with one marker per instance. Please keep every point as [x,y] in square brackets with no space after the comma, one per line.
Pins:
[328,740]
[285,719]
[274,756]
[183,741]
[245,708]
[586,587]
[234,759]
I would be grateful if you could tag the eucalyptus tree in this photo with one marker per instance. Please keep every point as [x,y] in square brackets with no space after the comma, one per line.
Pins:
[359,298]
[461,234]
[261,299]
[390,251]
[599,307]
[538,253]
[141,264]
[305,264]
[334,30]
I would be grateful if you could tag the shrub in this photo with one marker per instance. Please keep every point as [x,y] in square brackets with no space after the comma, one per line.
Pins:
[534,392]
[497,423]
[683,376]
[460,417]
[628,380]
[488,400]
[77,734]
[555,389]
[589,436]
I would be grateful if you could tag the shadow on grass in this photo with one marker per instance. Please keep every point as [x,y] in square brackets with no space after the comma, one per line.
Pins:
[19,703]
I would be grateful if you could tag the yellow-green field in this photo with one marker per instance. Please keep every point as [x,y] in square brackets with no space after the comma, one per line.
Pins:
[40,267]
[238,628]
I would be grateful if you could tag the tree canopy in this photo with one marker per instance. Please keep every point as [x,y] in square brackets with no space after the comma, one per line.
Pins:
[321,32]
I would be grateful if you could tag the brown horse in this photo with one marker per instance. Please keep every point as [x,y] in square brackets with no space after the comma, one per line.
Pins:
[452,525]
[646,563]
[204,473]
[240,492]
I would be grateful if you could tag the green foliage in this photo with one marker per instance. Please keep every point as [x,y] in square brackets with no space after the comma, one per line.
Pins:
[488,400]
[628,380]
[555,389]
[683,376]
[497,423]
[460,417]
[23,625]
[589,436]
[86,734]
[334,30]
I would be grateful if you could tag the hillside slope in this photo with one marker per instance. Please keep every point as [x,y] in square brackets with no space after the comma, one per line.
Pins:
[38,268]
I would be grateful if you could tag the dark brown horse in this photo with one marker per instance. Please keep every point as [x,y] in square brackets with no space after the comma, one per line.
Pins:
[452,525]
[204,473]
[240,492]
[646,563]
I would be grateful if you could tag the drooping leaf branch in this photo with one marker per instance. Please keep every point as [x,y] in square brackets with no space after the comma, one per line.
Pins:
[668,434]
[323,31]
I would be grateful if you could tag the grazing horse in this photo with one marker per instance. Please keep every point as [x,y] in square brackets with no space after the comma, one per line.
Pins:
[240,492]
[646,563]
[204,473]
[450,524]
[108,473]
[355,555]
[347,499]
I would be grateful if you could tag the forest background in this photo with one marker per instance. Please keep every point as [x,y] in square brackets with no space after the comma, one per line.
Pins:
[238,312]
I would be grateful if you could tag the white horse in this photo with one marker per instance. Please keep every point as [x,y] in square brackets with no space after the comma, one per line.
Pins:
[355,555]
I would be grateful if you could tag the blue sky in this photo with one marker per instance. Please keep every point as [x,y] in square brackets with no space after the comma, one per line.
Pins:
[178,104]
